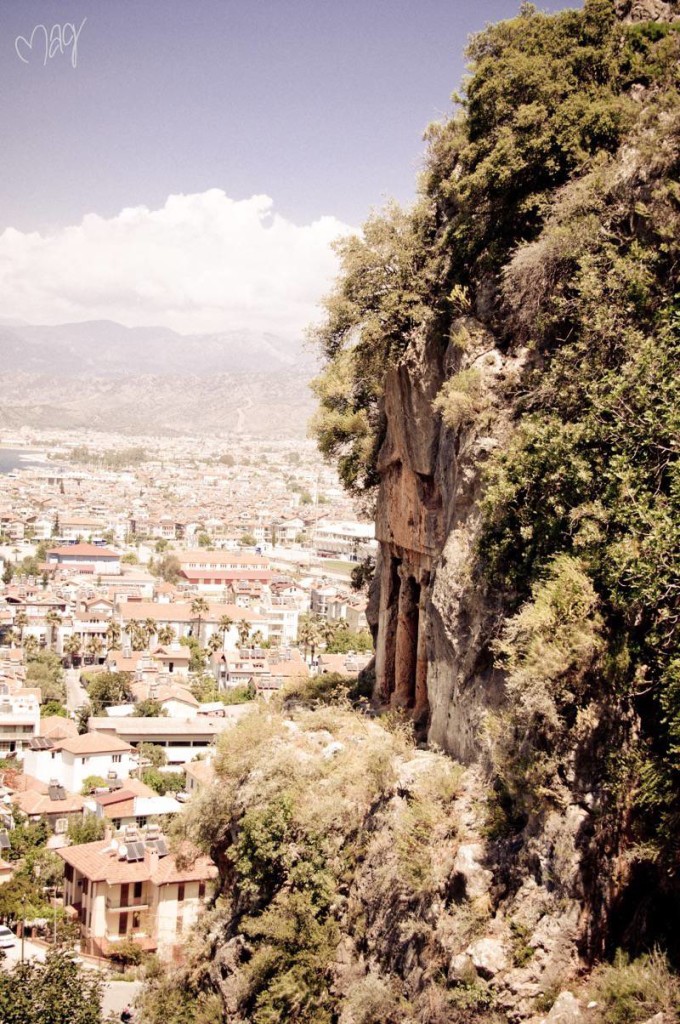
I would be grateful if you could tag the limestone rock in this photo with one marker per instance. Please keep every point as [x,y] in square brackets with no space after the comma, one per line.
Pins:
[565,1010]
[488,957]
[332,750]
[474,879]
[647,10]
[461,970]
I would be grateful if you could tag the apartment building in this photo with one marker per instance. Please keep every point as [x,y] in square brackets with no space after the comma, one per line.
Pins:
[19,719]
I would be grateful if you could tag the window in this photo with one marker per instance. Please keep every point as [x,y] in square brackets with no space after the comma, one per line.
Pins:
[117,758]
[84,760]
[180,893]
[201,890]
[122,924]
[136,919]
[138,890]
[61,826]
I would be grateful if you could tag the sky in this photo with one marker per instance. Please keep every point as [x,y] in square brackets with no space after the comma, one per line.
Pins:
[188,162]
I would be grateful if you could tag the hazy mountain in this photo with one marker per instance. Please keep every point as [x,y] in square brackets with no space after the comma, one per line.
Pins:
[100,374]
[103,347]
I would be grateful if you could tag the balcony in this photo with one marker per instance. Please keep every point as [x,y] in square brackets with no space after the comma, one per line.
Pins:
[132,903]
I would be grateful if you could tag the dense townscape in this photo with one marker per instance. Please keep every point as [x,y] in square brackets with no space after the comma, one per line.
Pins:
[152,594]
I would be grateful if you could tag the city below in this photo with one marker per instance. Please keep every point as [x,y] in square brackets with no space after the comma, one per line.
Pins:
[153,591]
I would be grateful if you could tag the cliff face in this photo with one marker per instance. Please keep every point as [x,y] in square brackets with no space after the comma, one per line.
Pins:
[433,621]
[439,619]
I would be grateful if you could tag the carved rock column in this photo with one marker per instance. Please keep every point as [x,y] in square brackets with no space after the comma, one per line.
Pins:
[407,642]
[385,648]
[421,709]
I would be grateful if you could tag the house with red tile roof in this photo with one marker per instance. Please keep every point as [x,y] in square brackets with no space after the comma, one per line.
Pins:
[134,888]
[85,558]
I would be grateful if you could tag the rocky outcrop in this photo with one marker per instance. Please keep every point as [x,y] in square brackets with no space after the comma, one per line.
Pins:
[432,619]
[648,10]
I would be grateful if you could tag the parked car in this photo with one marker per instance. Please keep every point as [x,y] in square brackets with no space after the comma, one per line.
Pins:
[6,937]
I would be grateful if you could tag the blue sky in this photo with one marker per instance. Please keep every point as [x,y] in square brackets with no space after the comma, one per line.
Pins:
[318,105]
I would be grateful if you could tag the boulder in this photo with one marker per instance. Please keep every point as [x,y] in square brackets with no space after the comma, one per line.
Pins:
[488,957]
[461,970]
[474,879]
[565,1010]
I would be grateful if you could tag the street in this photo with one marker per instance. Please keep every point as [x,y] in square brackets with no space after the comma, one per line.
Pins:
[75,693]
[32,951]
[119,994]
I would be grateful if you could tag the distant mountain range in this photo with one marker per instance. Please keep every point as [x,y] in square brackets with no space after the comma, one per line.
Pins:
[103,375]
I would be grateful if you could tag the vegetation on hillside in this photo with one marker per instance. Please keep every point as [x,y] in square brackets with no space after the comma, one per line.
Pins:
[549,210]
[323,824]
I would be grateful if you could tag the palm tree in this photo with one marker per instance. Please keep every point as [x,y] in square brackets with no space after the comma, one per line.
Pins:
[150,627]
[243,632]
[214,643]
[53,619]
[224,625]
[94,648]
[73,647]
[166,635]
[257,638]
[20,623]
[199,606]
[113,636]
[135,631]
[30,645]
[309,634]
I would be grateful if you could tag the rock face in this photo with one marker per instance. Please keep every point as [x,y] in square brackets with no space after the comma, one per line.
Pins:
[648,10]
[432,622]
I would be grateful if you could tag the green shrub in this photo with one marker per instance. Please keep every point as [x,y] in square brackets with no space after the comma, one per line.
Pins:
[632,991]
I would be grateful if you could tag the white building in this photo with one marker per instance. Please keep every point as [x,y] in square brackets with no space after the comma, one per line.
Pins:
[182,740]
[19,719]
[68,762]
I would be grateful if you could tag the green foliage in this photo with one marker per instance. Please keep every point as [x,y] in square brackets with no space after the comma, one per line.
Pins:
[92,782]
[53,707]
[459,400]
[168,568]
[153,753]
[163,782]
[362,574]
[26,837]
[549,650]
[44,669]
[86,829]
[344,640]
[56,991]
[21,897]
[149,708]
[630,992]
[238,694]
[198,654]
[108,689]
[127,952]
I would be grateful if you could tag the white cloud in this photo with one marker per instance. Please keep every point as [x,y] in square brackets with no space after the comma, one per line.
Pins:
[203,262]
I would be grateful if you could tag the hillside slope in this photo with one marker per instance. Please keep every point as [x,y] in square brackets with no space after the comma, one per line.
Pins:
[502,385]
